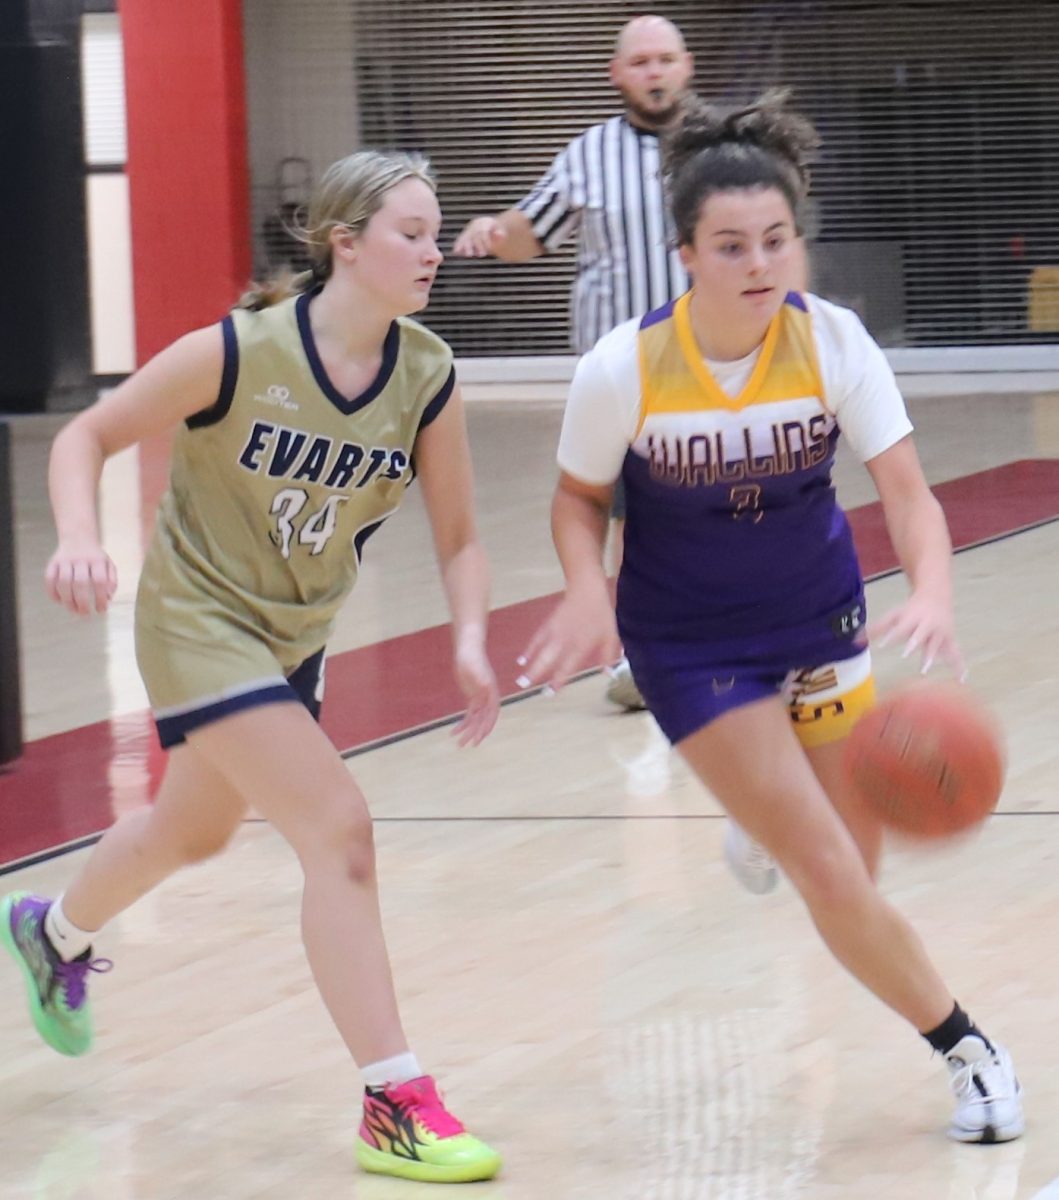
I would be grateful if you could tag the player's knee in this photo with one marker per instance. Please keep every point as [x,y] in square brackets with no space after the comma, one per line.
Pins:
[159,837]
[871,856]
[343,840]
[830,879]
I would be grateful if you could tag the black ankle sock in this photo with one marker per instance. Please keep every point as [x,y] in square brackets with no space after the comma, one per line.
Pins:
[956,1026]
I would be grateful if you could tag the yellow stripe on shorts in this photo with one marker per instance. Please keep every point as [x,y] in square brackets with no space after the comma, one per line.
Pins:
[826,703]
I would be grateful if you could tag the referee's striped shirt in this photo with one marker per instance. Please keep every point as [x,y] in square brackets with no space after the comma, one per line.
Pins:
[606,186]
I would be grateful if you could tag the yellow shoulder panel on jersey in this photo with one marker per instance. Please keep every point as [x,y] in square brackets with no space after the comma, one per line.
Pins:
[675,378]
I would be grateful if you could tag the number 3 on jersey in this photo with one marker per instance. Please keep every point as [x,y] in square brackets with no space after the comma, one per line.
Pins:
[315,531]
[745,500]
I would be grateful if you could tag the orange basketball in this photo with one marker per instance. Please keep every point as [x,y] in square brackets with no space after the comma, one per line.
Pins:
[929,759]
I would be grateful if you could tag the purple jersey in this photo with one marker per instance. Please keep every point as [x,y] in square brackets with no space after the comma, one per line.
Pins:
[733,533]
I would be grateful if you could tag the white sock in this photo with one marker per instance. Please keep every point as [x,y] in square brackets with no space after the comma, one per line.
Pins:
[64,935]
[398,1069]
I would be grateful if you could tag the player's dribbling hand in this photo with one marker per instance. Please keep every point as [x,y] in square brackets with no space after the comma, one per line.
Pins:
[580,632]
[81,577]
[925,626]
[480,238]
[474,674]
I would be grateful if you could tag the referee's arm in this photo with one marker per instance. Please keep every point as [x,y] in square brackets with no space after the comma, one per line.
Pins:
[508,236]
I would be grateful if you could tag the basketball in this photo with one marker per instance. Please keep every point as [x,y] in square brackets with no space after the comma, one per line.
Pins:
[928,759]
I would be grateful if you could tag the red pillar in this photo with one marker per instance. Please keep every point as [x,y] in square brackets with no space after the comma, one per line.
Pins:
[189,181]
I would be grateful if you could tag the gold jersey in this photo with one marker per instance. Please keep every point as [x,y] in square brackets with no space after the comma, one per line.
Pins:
[273,492]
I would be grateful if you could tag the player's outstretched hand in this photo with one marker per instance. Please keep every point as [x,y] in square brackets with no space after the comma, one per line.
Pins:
[581,631]
[81,577]
[474,674]
[926,627]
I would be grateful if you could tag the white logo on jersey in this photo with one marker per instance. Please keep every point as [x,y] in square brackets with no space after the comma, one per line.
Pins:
[278,396]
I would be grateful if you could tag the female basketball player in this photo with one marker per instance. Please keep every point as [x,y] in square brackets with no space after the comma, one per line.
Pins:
[740,600]
[301,419]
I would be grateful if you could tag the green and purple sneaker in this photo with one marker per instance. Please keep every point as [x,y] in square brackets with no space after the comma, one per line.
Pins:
[58,999]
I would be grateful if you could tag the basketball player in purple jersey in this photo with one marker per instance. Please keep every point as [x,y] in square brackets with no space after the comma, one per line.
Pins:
[740,600]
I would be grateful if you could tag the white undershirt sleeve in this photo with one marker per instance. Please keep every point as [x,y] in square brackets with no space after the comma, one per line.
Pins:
[603,408]
[859,383]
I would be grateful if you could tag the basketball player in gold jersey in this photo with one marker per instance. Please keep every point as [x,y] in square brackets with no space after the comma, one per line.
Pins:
[301,419]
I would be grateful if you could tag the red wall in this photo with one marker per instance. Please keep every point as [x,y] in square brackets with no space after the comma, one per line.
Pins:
[187,164]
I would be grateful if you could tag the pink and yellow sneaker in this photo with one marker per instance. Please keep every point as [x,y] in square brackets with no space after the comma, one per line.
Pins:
[408,1132]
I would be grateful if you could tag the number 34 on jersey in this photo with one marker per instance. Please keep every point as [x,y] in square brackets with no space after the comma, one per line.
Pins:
[280,453]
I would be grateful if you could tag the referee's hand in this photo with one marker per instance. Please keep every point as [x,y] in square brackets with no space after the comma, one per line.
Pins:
[480,238]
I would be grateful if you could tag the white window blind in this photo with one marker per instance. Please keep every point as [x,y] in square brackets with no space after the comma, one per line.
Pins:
[933,209]
[103,86]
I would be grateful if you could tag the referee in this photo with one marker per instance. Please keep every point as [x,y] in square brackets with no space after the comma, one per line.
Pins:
[605,188]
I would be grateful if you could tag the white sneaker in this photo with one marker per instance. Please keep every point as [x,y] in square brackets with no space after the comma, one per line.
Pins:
[751,863]
[988,1096]
[622,689]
